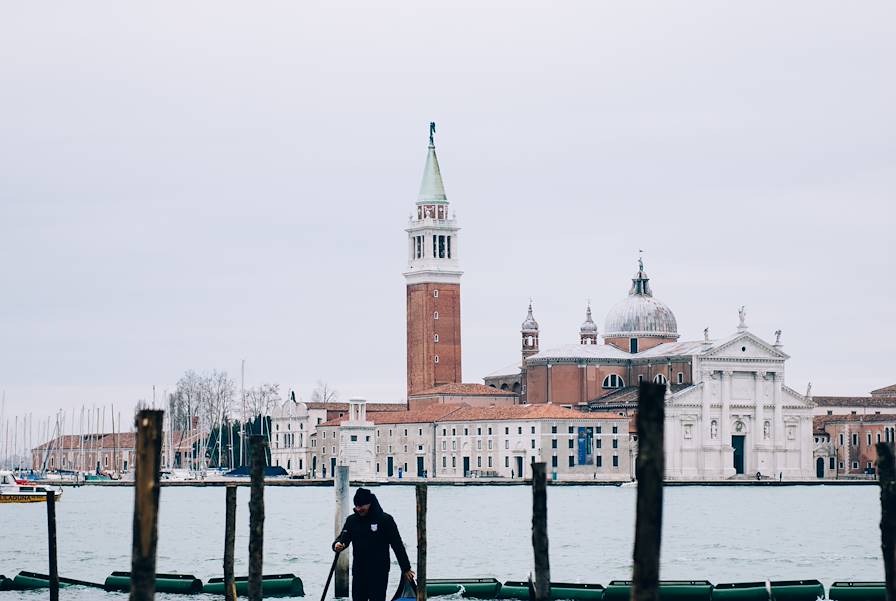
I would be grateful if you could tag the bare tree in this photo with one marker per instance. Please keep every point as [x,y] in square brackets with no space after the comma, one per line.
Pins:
[260,400]
[216,399]
[185,400]
[324,394]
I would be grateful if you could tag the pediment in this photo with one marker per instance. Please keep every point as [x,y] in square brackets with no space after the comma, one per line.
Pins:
[745,346]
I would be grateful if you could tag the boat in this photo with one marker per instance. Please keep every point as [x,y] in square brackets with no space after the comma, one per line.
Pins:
[669,590]
[519,589]
[274,585]
[480,588]
[858,591]
[24,491]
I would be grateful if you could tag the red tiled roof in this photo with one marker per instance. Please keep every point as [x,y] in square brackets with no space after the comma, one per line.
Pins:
[464,390]
[371,407]
[524,412]
[820,421]
[123,440]
[422,415]
[853,401]
[885,390]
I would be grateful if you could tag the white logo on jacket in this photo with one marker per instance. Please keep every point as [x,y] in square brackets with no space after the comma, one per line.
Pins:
[373,527]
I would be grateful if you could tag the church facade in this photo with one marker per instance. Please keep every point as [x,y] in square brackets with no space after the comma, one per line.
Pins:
[728,409]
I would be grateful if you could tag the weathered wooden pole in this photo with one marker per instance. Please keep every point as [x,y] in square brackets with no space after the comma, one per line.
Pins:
[421,542]
[51,539]
[229,541]
[649,509]
[146,504]
[540,532]
[256,516]
[886,473]
[343,508]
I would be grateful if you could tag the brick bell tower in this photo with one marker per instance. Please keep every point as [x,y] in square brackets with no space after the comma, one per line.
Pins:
[433,284]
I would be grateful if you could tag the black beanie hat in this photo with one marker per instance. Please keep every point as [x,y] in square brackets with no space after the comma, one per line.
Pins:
[363,497]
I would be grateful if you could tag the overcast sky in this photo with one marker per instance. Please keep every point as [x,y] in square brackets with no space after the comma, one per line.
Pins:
[185,185]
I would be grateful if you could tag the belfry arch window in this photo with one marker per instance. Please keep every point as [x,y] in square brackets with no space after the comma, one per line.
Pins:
[613,381]
[435,315]
[659,379]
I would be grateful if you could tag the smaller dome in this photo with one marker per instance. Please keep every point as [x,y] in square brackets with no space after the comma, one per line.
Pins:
[530,326]
[588,327]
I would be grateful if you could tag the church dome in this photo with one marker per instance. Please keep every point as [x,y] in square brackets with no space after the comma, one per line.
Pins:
[640,315]
[529,326]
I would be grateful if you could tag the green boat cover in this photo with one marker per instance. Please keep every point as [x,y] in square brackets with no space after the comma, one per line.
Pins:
[519,589]
[184,584]
[478,588]
[797,590]
[5,583]
[670,590]
[274,585]
[857,591]
[740,591]
[34,580]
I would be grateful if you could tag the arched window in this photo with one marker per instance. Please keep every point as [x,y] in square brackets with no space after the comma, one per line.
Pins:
[435,315]
[613,381]
[681,377]
[659,379]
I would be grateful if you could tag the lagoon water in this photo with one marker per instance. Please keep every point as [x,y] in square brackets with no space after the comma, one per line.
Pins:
[722,534]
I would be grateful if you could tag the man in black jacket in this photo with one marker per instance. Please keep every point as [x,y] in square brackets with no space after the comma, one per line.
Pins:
[373,531]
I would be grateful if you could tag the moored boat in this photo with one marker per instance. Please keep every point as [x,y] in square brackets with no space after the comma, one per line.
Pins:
[479,588]
[24,491]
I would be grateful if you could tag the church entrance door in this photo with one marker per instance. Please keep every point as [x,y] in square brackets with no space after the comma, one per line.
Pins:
[819,467]
[738,443]
[419,467]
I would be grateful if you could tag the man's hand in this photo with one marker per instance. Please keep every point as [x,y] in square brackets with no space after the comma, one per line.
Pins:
[410,575]
[338,547]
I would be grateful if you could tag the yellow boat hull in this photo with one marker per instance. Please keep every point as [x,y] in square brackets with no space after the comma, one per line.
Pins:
[26,498]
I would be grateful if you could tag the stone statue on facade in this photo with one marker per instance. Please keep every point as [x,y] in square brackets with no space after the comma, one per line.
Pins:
[777,337]
[742,314]
[705,334]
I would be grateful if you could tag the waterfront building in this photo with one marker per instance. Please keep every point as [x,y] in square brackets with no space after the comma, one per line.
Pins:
[728,411]
[882,400]
[111,452]
[851,442]
[462,441]
[291,426]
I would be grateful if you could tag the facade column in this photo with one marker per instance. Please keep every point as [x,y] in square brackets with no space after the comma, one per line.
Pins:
[725,425]
[759,427]
[779,421]
[705,419]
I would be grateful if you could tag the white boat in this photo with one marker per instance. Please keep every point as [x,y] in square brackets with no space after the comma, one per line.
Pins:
[24,491]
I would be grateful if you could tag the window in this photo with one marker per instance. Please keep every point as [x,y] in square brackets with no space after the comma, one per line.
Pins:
[554,444]
[830,412]
[615,460]
[615,443]
[478,445]
[489,460]
[533,443]
[680,378]
[405,431]
[572,461]
[533,429]
[554,461]
[572,430]
[444,445]
[435,359]
[444,431]
[453,445]
[506,444]
[453,431]
[519,430]
[479,461]
[615,429]
[553,429]
[613,381]
[660,379]
[478,431]
[405,448]
[855,439]
[841,439]
[444,462]
[600,461]
[489,431]
[419,431]
[506,461]
[878,437]
[454,462]
[597,443]
[435,337]
[831,463]
[869,439]
[855,465]
[435,315]
[435,294]
[841,465]
[449,246]
[490,444]
[598,429]
[506,430]
[633,345]
[354,438]
[572,443]
[466,431]
[640,378]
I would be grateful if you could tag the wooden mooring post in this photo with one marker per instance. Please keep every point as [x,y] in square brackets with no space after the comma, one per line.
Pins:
[886,473]
[51,539]
[256,516]
[229,542]
[649,508]
[421,542]
[146,504]
[343,509]
[540,532]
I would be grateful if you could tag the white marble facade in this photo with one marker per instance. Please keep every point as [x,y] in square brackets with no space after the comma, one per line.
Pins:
[357,441]
[738,417]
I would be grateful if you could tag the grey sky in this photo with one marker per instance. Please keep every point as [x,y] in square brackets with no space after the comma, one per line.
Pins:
[183,185]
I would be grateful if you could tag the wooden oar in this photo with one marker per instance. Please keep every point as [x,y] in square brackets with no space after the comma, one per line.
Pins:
[330,576]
